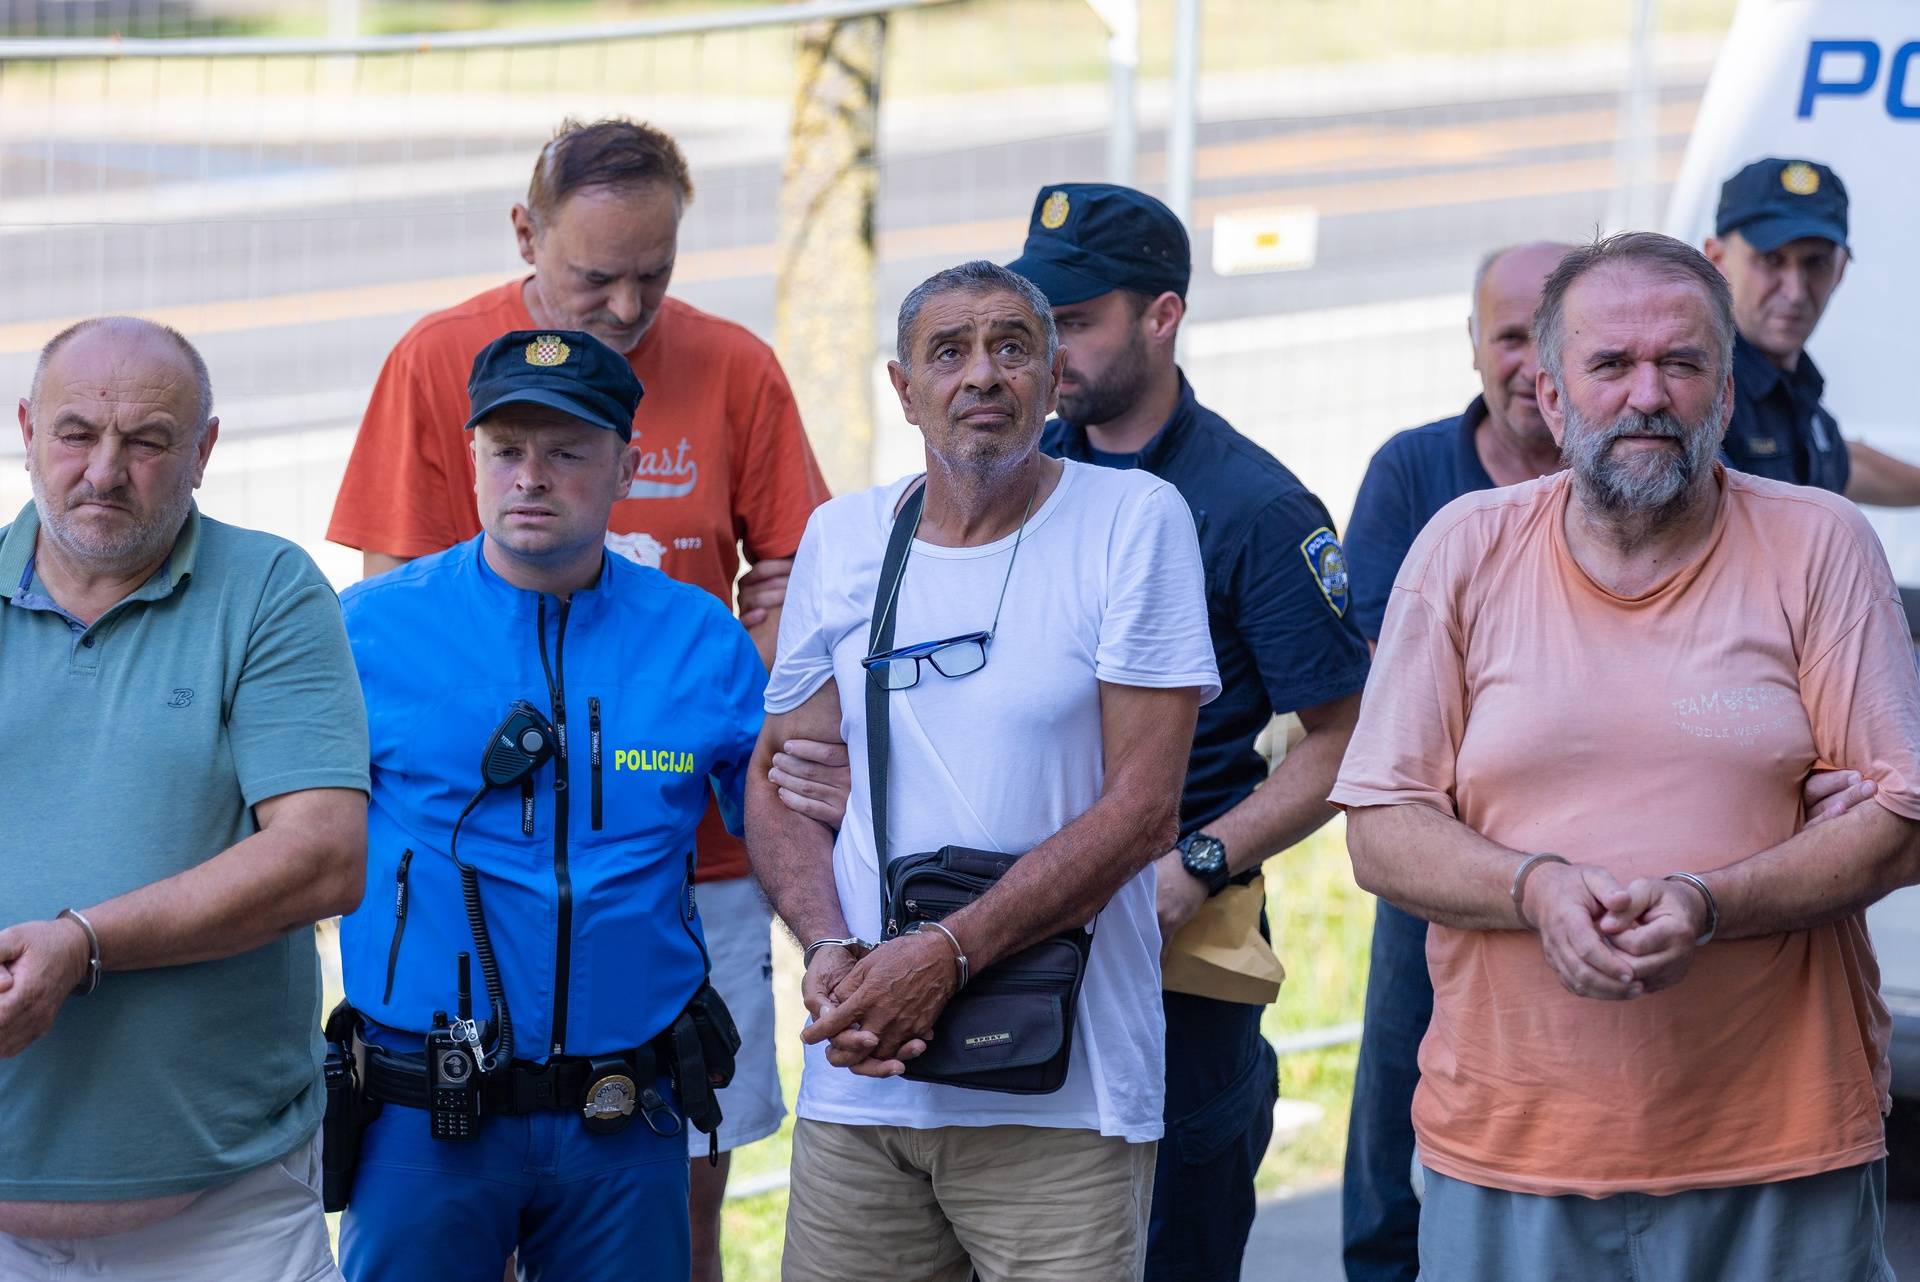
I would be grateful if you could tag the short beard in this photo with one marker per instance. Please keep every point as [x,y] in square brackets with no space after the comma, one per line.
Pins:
[1640,488]
[1118,391]
[142,545]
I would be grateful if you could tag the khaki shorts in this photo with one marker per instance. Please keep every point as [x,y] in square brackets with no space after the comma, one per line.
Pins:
[1036,1204]
[265,1226]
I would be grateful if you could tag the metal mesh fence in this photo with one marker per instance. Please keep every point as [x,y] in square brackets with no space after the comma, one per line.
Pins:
[294,214]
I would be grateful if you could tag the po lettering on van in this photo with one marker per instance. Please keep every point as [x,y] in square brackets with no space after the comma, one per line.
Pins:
[1851,68]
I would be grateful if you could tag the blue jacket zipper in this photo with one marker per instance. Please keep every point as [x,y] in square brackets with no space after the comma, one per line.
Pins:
[563,880]
[399,921]
[593,753]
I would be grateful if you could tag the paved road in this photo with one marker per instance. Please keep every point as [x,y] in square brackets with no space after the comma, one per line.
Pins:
[300,299]
[1298,1240]
[296,265]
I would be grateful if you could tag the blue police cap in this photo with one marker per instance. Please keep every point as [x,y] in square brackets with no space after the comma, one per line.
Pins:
[1086,239]
[1773,201]
[563,369]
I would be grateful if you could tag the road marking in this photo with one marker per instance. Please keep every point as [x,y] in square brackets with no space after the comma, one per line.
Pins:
[990,236]
[1380,147]
[298,428]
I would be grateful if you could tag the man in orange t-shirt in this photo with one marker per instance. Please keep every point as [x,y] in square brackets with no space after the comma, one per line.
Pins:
[1580,756]
[724,465]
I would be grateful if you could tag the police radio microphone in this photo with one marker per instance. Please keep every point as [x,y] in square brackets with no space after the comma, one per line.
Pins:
[520,745]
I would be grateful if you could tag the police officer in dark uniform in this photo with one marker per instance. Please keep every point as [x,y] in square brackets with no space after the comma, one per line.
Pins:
[1114,263]
[548,722]
[1780,238]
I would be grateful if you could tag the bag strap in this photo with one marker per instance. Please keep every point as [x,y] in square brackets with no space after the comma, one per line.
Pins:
[879,698]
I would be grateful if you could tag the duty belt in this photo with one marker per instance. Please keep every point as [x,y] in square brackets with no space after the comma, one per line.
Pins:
[565,1083]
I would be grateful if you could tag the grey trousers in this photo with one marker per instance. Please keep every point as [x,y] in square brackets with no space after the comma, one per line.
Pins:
[265,1226]
[1823,1228]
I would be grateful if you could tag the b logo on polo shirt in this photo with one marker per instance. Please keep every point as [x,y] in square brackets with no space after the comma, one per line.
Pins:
[1329,566]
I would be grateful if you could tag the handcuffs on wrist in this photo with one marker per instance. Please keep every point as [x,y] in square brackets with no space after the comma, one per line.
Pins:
[1713,905]
[1518,891]
[853,944]
[962,968]
[92,981]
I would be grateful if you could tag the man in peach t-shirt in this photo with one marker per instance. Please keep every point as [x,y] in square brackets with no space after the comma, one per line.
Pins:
[1580,757]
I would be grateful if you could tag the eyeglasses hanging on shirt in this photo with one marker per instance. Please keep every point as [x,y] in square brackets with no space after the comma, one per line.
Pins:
[957,656]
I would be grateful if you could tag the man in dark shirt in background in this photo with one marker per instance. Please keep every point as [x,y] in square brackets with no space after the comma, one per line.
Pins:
[1500,439]
[1114,263]
[1780,239]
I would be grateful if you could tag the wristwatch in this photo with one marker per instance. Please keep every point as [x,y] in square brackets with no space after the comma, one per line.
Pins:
[1206,858]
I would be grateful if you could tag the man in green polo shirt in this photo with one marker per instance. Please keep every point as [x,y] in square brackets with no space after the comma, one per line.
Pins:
[185,759]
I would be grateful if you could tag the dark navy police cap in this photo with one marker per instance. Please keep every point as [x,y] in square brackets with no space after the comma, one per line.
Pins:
[1773,201]
[1086,239]
[563,369]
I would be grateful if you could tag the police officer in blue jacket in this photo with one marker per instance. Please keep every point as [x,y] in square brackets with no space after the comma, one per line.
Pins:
[546,722]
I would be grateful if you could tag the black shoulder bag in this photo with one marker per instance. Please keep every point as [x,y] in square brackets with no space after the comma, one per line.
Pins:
[1011,1028]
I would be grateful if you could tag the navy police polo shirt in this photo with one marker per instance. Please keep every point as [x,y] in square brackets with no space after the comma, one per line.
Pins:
[1276,592]
[1779,428]
[1411,477]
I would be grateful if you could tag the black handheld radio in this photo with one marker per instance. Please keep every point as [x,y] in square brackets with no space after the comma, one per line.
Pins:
[453,1067]
[456,1063]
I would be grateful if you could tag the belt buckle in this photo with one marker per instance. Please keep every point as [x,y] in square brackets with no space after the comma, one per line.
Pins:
[607,1104]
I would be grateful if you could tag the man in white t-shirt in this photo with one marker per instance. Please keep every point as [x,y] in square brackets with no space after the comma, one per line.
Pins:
[1067,748]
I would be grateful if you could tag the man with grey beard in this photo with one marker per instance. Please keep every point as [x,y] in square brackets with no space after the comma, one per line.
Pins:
[186,787]
[1657,1048]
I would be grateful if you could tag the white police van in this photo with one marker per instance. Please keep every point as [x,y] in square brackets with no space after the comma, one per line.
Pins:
[1838,81]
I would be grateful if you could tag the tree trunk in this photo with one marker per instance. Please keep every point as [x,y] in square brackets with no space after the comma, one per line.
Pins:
[824,304]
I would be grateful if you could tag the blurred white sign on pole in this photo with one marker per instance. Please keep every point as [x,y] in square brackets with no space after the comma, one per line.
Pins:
[1122,19]
[1265,240]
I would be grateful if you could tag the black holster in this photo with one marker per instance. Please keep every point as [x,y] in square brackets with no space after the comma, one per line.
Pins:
[700,1044]
[348,1107]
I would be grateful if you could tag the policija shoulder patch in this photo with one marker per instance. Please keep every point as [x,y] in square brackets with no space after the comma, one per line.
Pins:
[1329,566]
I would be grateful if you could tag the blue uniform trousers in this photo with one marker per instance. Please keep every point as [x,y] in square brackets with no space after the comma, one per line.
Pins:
[1379,1218]
[578,1206]
[1222,1081]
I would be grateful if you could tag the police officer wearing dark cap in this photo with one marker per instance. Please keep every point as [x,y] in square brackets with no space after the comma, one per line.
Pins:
[1780,238]
[548,721]
[1115,265]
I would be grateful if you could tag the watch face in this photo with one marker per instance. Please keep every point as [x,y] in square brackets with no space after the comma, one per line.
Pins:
[1205,854]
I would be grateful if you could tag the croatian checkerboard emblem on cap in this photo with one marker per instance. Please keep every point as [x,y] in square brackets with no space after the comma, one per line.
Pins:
[548,349]
[1329,566]
[1800,178]
[1054,212]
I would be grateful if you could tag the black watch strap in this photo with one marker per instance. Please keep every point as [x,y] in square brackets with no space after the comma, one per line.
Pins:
[1216,877]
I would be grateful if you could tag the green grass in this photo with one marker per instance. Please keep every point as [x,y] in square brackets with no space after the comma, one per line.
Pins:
[1323,926]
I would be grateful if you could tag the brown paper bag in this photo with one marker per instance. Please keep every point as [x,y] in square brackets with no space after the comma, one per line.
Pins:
[1221,953]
